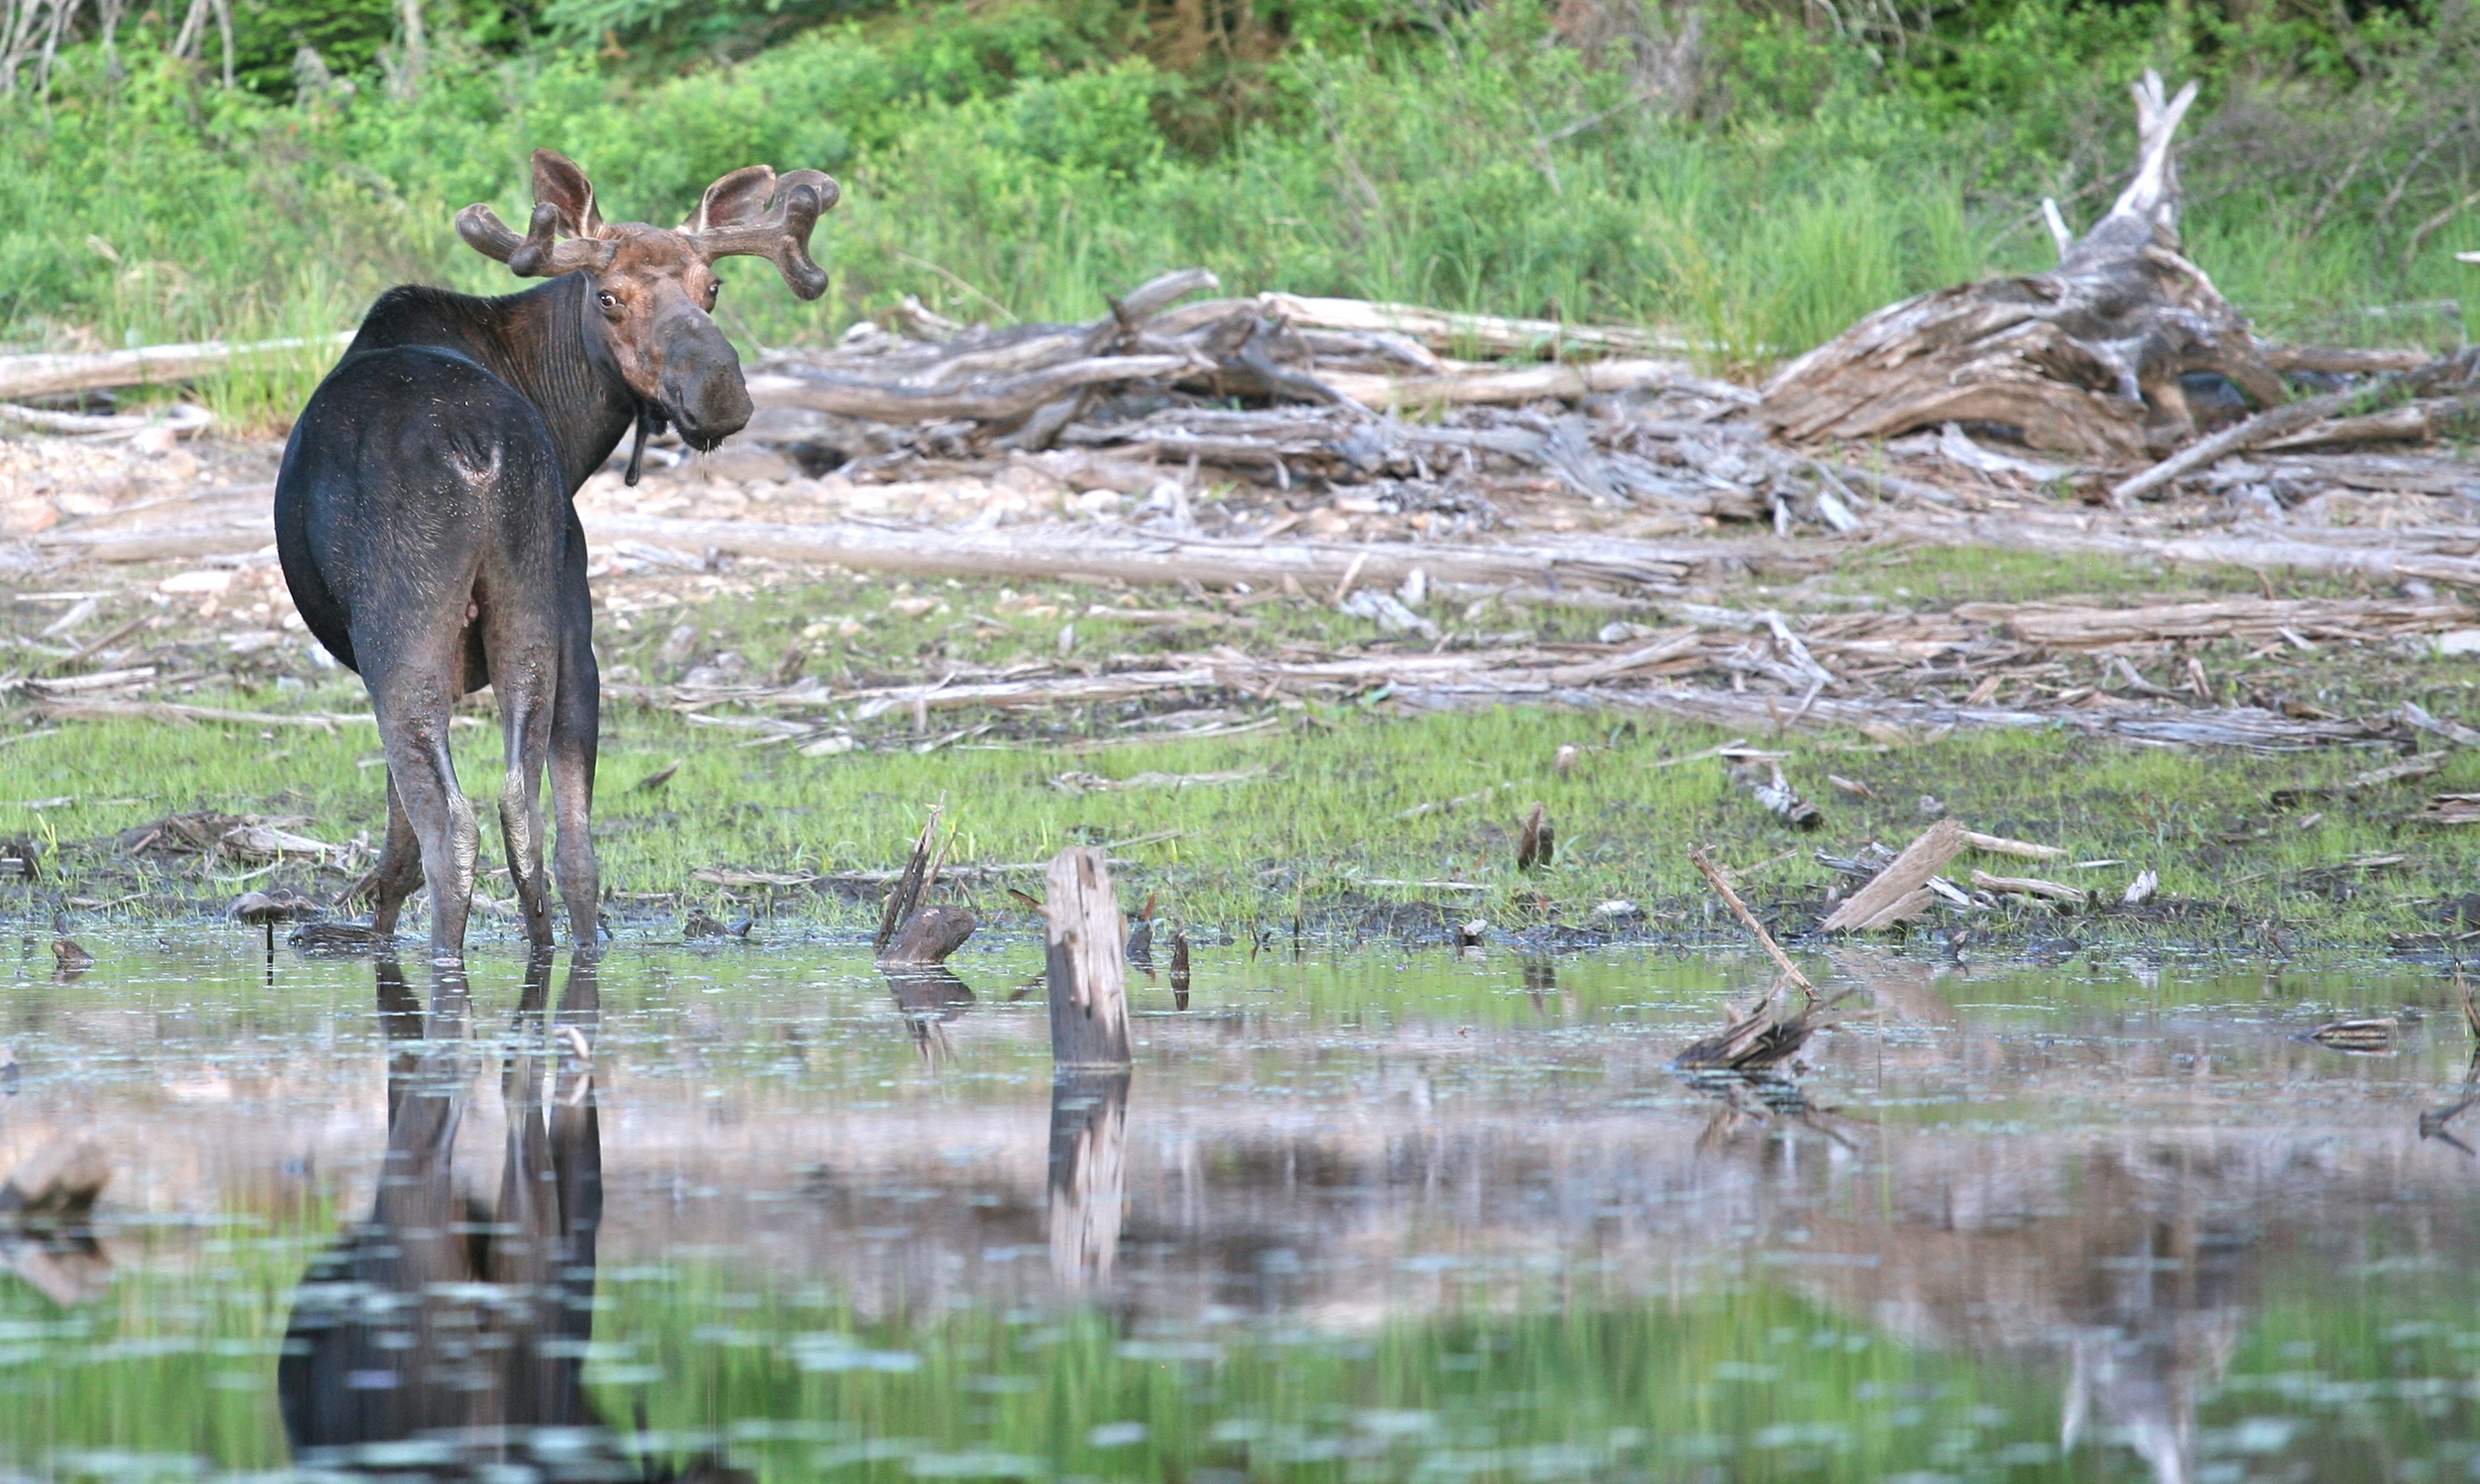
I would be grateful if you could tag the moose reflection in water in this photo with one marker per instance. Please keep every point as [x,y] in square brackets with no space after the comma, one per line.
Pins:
[441,1322]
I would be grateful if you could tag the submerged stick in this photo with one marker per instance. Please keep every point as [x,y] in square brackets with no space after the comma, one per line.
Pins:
[1747,920]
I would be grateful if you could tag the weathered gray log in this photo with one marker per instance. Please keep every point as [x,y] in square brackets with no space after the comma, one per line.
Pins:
[2083,359]
[1562,564]
[1477,387]
[1085,933]
[1898,891]
[2342,360]
[180,420]
[1448,331]
[2256,431]
[23,376]
[995,400]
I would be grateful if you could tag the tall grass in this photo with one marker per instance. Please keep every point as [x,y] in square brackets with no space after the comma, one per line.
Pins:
[1488,170]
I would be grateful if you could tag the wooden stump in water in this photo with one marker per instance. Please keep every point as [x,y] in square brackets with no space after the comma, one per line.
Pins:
[929,935]
[2084,359]
[1087,978]
[1088,1175]
[912,930]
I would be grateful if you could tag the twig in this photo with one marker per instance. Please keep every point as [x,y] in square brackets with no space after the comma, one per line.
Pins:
[1747,920]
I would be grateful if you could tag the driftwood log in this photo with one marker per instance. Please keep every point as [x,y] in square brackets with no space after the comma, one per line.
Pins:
[23,376]
[2084,359]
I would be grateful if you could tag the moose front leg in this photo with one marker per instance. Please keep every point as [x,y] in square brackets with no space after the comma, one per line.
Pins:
[398,872]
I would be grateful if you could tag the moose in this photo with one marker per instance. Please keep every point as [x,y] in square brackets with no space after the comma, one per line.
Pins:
[425,515]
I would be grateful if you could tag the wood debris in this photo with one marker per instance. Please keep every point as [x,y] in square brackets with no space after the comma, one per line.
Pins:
[2448,808]
[1760,1037]
[2031,886]
[1721,884]
[2084,359]
[1901,890]
[2000,845]
[914,931]
[2371,1036]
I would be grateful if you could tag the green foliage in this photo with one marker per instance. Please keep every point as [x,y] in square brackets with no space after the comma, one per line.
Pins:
[347,34]
[1775,185]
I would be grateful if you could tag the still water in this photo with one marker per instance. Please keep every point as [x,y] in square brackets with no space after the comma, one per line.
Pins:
[755,1211]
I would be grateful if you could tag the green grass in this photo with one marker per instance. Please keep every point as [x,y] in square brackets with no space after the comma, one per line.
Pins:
[1326,818]
[1001,162]
[176,1372]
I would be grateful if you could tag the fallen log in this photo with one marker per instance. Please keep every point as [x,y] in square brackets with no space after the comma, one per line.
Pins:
[2084,359]
[1472,387]
[1557,564]
[985,402]
[2031,886]
[1451,334]
[2299,549]
[2263,428]
[2342,360]
[180,420]
[2232,618]
[24,376]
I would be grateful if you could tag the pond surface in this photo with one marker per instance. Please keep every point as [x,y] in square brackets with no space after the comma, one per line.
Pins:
[755,1211]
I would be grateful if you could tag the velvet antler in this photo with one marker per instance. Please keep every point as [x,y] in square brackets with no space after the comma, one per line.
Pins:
[734,219]
[563,203]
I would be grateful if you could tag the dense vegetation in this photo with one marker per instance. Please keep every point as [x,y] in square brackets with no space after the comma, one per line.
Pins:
[1758,172]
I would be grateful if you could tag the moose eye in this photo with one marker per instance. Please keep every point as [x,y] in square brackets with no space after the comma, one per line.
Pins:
[713,292]
[608,300]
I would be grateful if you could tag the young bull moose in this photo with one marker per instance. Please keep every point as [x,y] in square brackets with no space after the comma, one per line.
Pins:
[424,514]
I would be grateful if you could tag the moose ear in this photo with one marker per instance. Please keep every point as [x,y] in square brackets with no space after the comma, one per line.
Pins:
[559,185]
[733,199]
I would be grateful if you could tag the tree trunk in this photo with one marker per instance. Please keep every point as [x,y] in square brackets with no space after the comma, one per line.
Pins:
[2083,359]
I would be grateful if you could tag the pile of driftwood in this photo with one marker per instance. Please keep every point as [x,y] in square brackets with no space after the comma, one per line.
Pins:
[1280,391]
[2123,366]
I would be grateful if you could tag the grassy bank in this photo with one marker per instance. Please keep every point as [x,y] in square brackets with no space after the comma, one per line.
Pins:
[1020,160]
[1300,819]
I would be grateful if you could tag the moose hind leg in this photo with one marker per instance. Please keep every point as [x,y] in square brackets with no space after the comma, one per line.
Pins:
[576,717]
[524,668]
[415,701]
